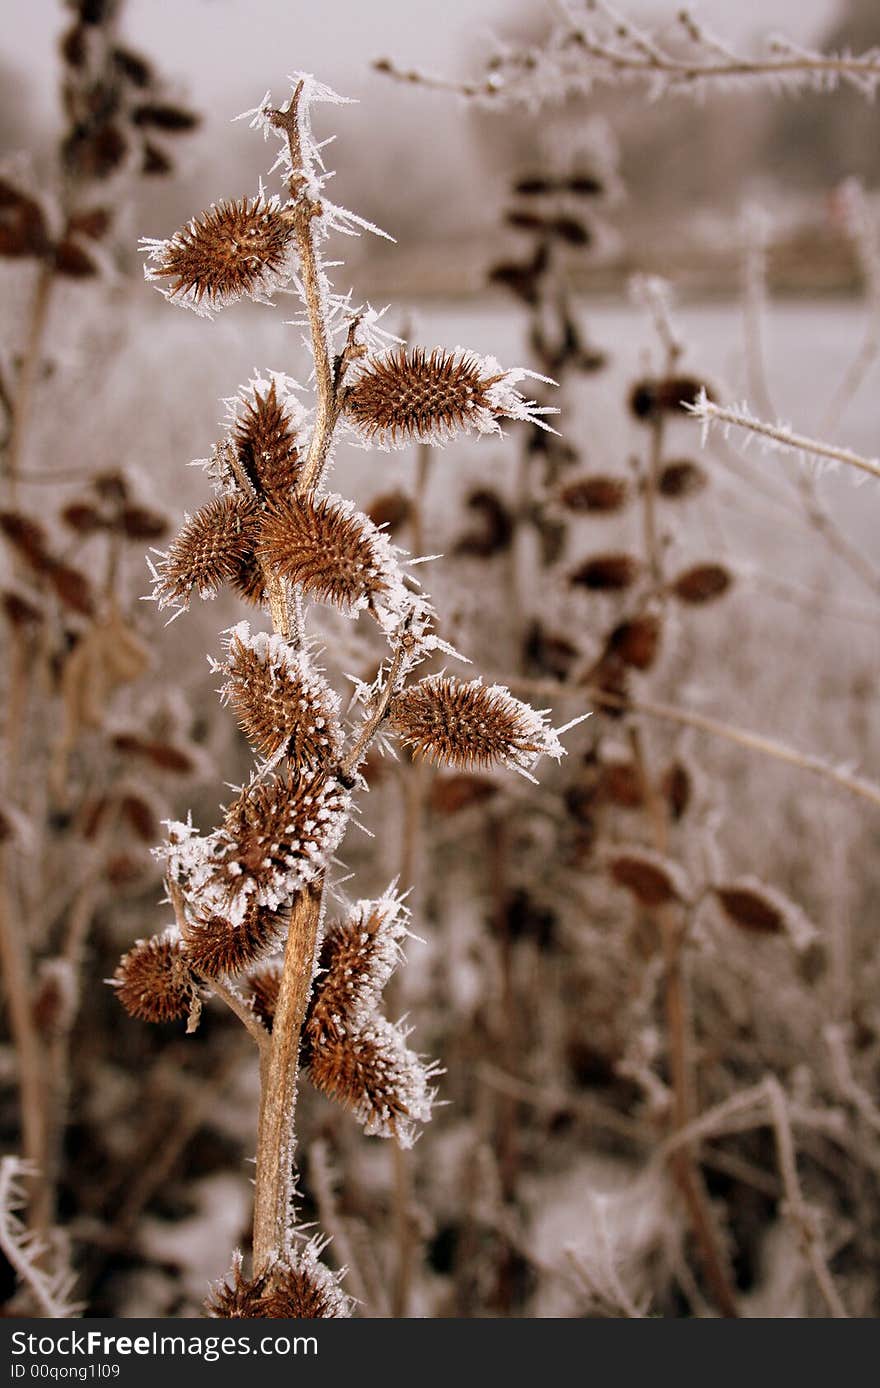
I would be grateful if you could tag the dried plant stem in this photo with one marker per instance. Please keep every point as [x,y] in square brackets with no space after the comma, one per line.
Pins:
[245,1014]
[684,1160]
[327,380]
[781,436]
[371,724]
[17,692]
[28,373]
[274,1175]
[797,1207]
[689,718]
[29,1049]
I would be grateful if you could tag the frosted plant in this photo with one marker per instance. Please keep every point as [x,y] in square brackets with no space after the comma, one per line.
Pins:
[592,44]
[256,884]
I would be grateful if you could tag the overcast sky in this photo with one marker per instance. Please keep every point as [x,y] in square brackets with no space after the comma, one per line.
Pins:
[219,49]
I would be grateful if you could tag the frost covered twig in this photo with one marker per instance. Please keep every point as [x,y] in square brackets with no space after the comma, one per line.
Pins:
[593,44]
[839,776]
[777,436]
[797,1208]
[29,1252]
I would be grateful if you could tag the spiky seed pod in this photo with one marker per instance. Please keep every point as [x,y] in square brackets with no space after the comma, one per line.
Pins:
[652,879]
[681,479]
[280,699]
[232,251]
[304,1289]
[216,946]
[470,725]
[154,981]
[249,581]
[298,1288]
[354,1055]
[599,495]
[277,835]
[210,550]
[331,551]
[264,983]
[266,443]
[372,1073]
[358,956]
[238,1297]
[701,584]
[606,573]
[417,396]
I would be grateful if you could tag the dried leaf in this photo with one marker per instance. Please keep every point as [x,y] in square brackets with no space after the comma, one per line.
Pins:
[652,879]
[702,583]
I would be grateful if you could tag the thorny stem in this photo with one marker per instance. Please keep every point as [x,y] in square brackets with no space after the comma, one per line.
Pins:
[328,375]
[371,724]
[710,413]
[274,1174]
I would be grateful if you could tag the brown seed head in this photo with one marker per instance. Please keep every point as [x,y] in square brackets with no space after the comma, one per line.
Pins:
[216,946]
[599,494]
[469,725]
[213,548]
[330,550]
[416,396]
[405,397]
[281,700]
[751,909]
[28,537]
[652,879]
[234,250]
[606,573]
[703,583]
[637,641]
[154,981]
[278,833]
[681,479]
[266,443]
[239,1297]
[299,1288]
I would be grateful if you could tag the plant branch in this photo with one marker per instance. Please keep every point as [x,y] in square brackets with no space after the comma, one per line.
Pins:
[274,1174]
[689,718]
[778,435]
